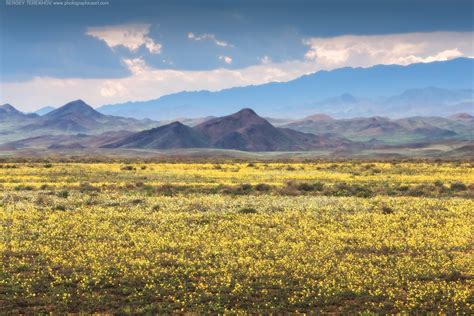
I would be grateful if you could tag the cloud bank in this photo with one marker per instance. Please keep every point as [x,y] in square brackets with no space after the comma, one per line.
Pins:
[146,83]
[400,49]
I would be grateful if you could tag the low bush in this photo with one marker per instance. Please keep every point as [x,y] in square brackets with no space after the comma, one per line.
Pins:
[23,187]
[458,186]
[387,210]
[63,194]
[263,187]
[248,210]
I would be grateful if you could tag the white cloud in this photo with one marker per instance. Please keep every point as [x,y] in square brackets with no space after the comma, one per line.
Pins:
[441,56]
[131,36]
[226,59]
[210,37]
[146,83]
[265,60]
[111,88]
[136,66]
[402,49]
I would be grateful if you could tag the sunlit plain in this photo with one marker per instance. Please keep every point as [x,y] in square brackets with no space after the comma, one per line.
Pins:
[259,237]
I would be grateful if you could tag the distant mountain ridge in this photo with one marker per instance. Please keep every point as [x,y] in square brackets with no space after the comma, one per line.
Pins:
[8,112]
[75,116]
[378,90]
[79,117]
[44,110]
[71,118]
[391,131]
[463,117]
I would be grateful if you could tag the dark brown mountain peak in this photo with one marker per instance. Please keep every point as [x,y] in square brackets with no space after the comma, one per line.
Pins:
[246,112]
[244,117]
[245,130]
[247,116]
[221,125]
[176,124]
[173,135]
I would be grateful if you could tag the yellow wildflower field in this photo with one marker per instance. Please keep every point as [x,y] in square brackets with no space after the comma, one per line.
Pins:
[237,237]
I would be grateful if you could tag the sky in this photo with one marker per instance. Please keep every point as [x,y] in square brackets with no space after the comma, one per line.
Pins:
[106,52]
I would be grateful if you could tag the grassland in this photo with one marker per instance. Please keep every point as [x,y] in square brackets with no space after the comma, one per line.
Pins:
[336,237]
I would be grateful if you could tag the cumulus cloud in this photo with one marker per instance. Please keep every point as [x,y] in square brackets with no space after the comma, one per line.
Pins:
[131,36]
[401,49]
[146,82]
[210,37]
[136,66]
[226,59]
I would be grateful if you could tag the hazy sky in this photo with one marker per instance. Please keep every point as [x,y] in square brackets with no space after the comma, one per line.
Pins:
[139,50]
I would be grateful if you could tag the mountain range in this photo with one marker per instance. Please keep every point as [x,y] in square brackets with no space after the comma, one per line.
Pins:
[390,131]
[349,110]
[77,126]
[244,130]
[436,89]
[81,127]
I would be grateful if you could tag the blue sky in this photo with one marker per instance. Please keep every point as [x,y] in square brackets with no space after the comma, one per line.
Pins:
[138,50]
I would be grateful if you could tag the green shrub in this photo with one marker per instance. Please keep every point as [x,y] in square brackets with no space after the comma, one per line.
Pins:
[438,183]
[344,189]
[318,186]
[63,194]
[23,187]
